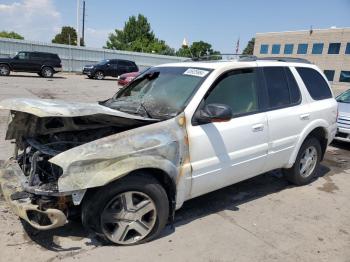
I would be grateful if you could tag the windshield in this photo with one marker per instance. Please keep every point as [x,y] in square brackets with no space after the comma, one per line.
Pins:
[160,92]
[344,97]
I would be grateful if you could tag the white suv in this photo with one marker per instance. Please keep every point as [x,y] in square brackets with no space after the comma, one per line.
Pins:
[176,132]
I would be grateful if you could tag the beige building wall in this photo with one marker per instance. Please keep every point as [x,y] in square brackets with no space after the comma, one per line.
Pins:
[338,62]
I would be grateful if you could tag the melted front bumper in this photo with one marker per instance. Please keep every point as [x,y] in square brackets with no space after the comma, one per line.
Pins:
[11,180]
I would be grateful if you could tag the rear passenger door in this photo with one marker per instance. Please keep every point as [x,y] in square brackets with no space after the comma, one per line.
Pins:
[123,67]
[36,61]
[287,114]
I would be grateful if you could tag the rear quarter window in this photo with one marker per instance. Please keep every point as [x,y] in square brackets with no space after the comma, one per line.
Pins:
[315,83]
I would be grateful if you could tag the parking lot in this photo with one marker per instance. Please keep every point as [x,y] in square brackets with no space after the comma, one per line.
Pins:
[262,219]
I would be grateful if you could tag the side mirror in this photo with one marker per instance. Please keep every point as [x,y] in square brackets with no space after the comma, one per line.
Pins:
[214,113]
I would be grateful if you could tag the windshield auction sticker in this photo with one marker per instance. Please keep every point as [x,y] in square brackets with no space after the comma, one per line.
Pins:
[196,72]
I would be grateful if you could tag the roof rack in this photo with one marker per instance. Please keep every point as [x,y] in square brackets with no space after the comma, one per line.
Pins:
[286,59]
[242,57]
[225,57]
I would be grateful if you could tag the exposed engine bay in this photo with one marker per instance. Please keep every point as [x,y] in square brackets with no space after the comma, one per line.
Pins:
[39,139]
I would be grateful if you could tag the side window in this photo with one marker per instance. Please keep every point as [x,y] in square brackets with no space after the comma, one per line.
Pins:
[237,89]
[123,63]
[282,90]
[315,83]
[295,95]
[35,56]
[23,56]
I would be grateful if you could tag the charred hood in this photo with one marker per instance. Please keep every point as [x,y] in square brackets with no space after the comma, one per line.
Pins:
[35,117]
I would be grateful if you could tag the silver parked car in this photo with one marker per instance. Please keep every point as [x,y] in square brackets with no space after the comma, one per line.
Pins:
[343,133]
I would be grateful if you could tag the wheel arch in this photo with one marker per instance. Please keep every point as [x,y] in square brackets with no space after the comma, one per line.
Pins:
[163,177]
[46,66]
[8,64]
[317,129]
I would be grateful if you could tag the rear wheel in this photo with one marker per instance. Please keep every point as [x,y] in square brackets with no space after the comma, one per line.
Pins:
[130,211]
[99,75]
[306,163]
[4,70]
[46,72]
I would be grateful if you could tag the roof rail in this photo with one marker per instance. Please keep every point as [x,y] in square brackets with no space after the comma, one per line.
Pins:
[217,57]
[242,57]
[286,59]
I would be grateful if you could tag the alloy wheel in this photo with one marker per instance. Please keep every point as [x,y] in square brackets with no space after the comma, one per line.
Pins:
[129,217]
[308,161]
[4,70]
[99,75]
[47,72]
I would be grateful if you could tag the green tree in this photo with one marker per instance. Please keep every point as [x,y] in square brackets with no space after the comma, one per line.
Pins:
[137,36]
[197,49]
[249,50]
[66,33]
[11,34]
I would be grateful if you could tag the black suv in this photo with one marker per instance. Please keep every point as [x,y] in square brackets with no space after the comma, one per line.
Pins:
[44,64]
[110,67]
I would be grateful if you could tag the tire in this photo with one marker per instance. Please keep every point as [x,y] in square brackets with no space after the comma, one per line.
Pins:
[46,72]
[129,211]
[4,70]
[306,163]
[39,74]
[99,75]
[90,77]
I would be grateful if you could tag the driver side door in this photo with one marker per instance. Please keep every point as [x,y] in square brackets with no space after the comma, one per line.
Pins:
[21,62]
[224,153]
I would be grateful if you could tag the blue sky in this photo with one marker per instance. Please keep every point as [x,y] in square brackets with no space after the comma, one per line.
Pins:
[218,22]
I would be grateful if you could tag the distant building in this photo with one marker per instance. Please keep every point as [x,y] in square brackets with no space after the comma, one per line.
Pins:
[329,49]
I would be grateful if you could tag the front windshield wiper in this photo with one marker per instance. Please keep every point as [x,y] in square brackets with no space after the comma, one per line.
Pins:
[144,109]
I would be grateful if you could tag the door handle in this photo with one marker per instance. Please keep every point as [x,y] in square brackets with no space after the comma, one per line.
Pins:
[258,127]
[305,117]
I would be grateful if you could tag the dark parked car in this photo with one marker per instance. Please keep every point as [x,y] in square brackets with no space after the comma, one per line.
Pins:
[110,67]
[44,64]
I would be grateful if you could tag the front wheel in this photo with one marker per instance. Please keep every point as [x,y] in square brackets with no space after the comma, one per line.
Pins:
[306,163]
[4,70]
[99,75]
[130,211]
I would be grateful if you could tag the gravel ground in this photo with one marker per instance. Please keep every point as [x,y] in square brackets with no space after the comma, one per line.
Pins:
[262,219]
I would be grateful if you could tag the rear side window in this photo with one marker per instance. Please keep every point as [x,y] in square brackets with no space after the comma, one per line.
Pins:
[282,89]
[124,63]
[315,83]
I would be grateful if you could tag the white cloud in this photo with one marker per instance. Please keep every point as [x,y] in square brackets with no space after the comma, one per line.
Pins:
[34,19]
[96,37]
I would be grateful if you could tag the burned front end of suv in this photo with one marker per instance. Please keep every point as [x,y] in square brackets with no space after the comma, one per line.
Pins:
[62,149]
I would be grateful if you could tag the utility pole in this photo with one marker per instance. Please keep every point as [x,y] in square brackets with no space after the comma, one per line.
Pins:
[83,31]
[78,18]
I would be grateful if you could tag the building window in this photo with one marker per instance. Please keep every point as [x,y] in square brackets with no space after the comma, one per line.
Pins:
[288,49]
[329,74]
[334,48]
[347,50]
[276,49]
[344,76]
[317,48]
[264,49]
[302,49]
